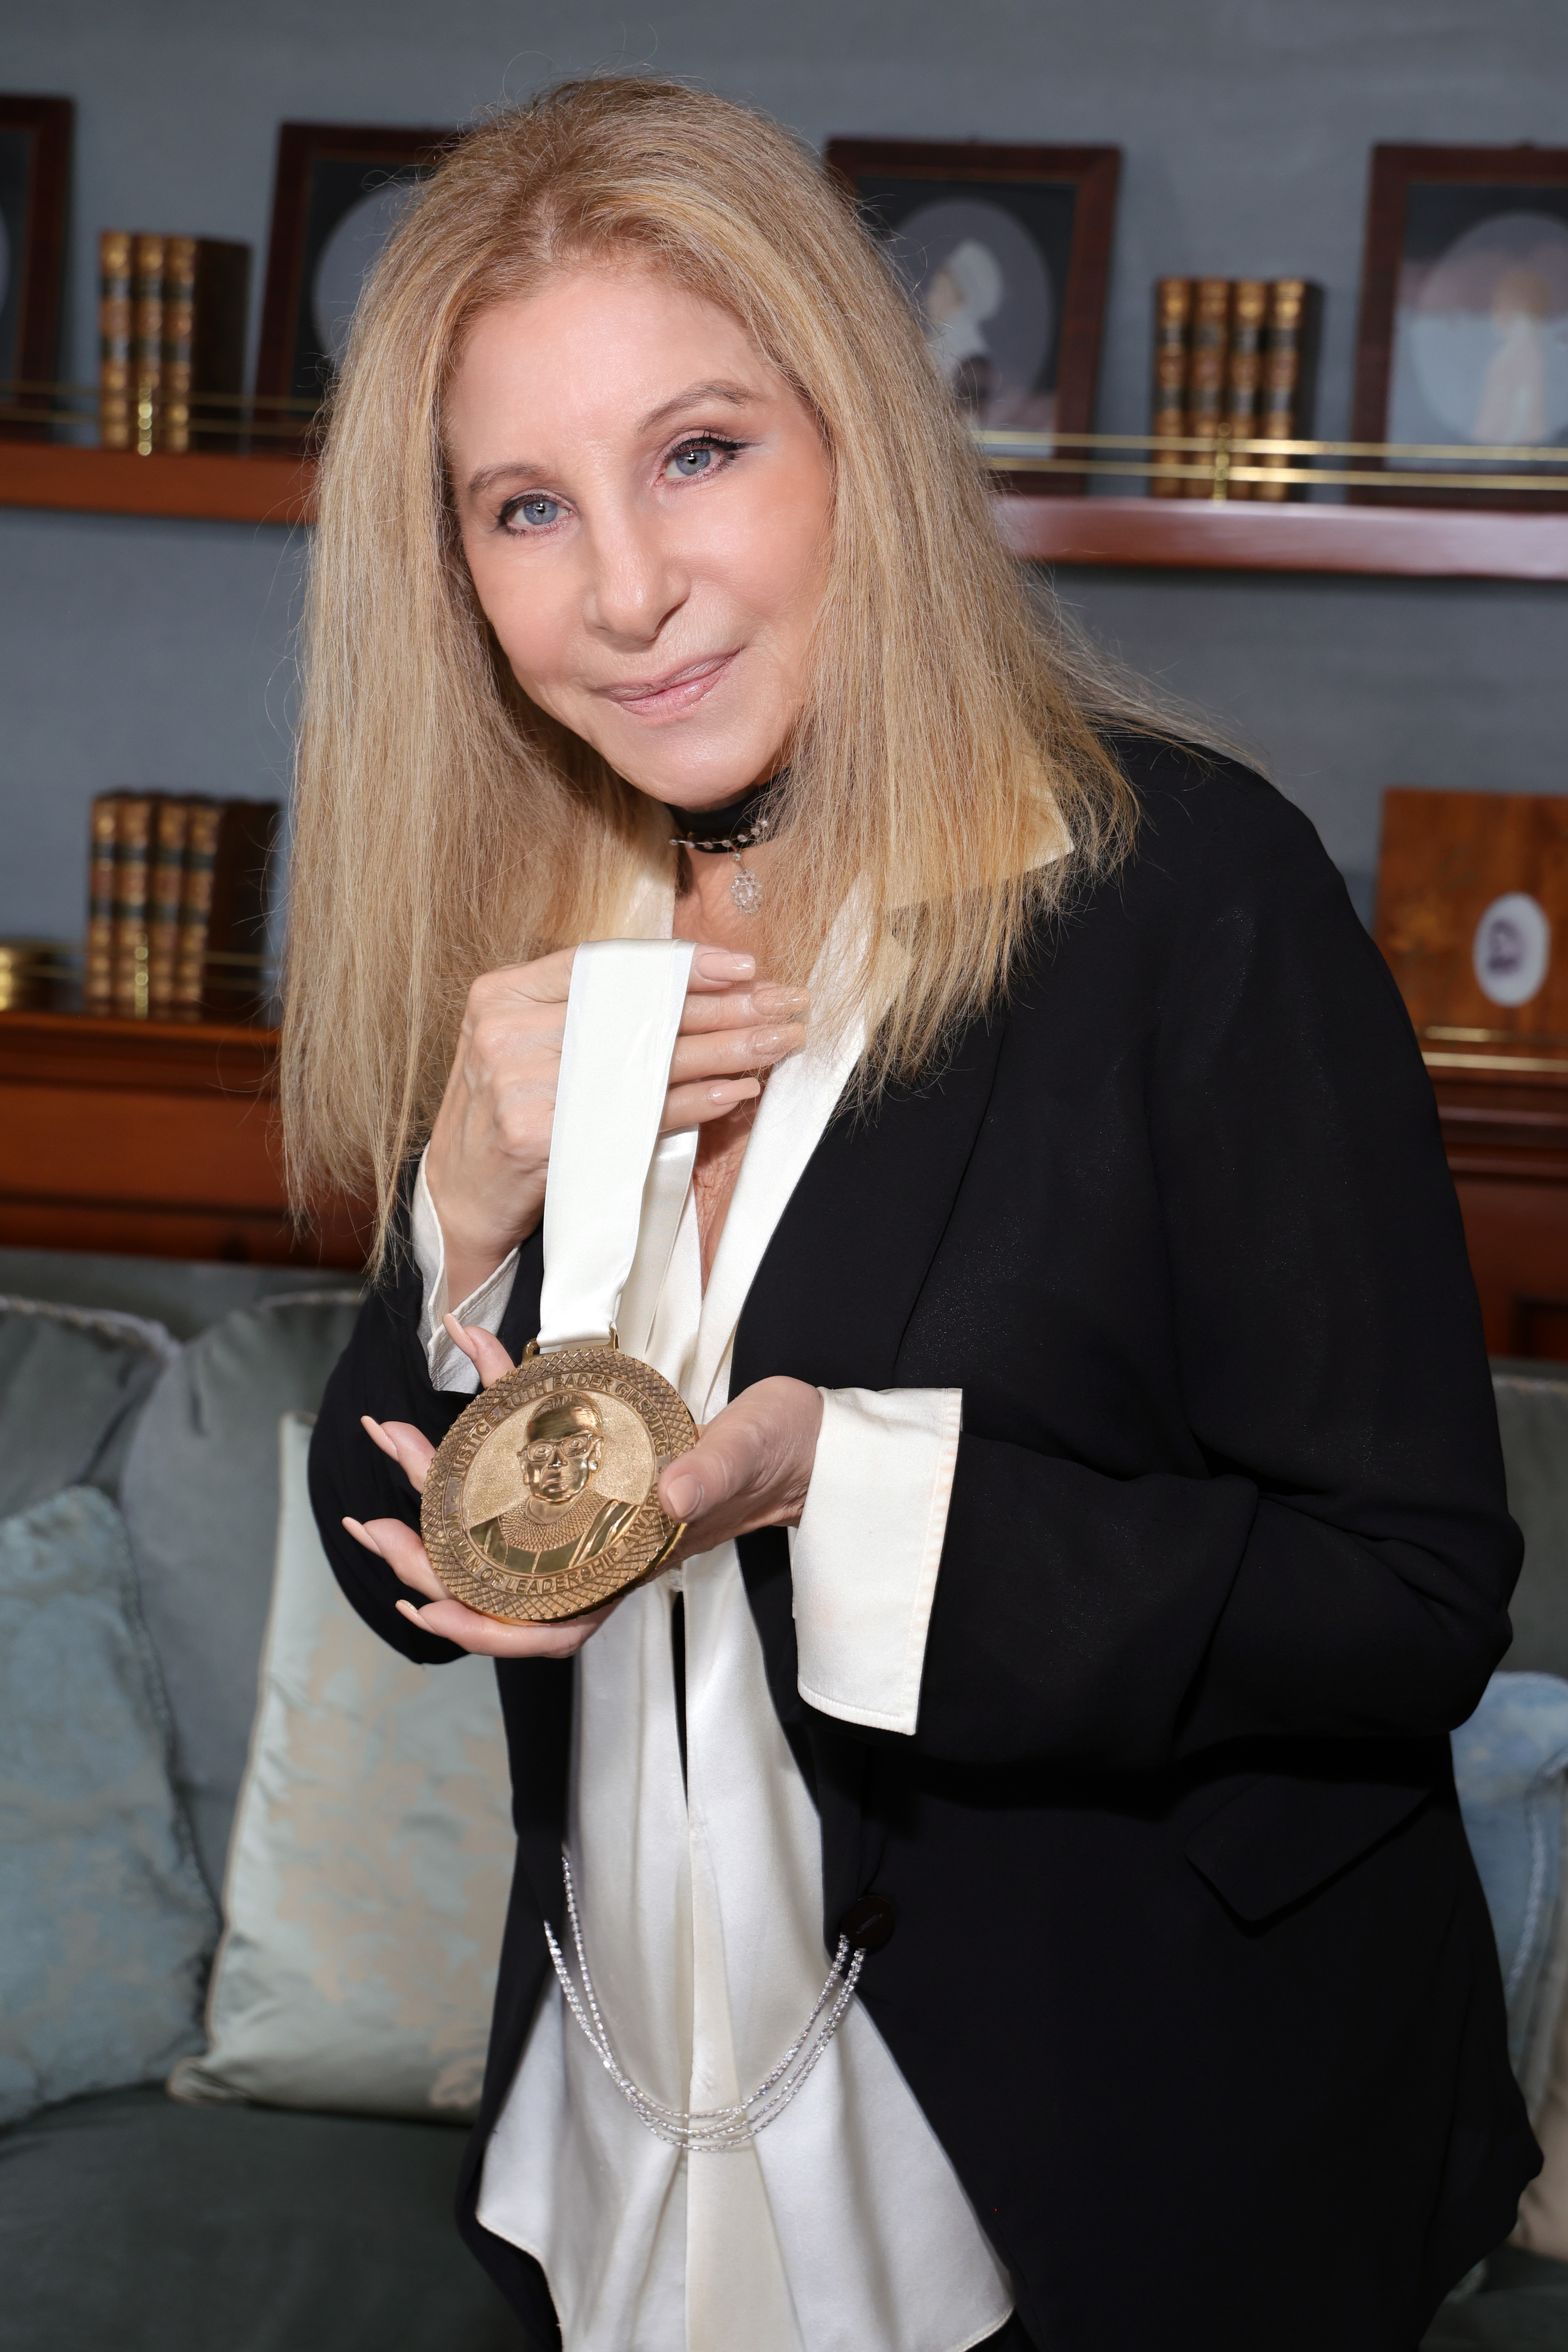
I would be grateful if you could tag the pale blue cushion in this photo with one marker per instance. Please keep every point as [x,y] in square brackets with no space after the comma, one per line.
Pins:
[72,1380]
[105,1925]
[1510,1764]
[200,1498]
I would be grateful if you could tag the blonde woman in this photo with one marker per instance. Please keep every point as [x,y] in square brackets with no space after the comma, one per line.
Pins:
[1097,1522]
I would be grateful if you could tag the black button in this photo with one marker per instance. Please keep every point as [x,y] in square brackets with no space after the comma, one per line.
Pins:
[870,1923]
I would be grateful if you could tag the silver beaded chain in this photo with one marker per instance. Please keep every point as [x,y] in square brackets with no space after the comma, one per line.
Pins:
[712,2128]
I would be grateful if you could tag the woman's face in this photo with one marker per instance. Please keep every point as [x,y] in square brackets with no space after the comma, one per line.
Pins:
[645,507]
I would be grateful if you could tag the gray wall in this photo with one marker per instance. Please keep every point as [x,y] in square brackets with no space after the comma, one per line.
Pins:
[158,653]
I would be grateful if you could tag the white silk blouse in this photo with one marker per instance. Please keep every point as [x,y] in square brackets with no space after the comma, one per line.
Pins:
[842,2226]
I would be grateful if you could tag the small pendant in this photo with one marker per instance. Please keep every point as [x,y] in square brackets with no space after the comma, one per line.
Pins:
[744,888]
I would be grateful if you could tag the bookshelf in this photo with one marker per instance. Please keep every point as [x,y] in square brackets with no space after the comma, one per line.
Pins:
[1165,534]
[275,489]
[153,1139]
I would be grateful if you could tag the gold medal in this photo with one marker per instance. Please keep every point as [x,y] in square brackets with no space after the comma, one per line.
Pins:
[542,1499]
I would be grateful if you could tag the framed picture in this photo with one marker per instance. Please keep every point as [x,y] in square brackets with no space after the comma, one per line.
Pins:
[1006,253]
[1463,339]
[1472,916]
[35,182]
[341,190]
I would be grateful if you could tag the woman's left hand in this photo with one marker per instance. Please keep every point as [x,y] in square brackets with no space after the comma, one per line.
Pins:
[750,1468]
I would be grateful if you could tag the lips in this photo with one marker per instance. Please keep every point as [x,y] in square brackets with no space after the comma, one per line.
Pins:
[677,692]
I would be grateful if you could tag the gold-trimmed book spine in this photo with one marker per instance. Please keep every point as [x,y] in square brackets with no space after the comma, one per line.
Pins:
[147,328]
[178,344]
[195,905]
[1168,416]
[116,402]
[131,870]
[1243,368]
[165,897]
[103,852]
[1289,359]
[1206,374]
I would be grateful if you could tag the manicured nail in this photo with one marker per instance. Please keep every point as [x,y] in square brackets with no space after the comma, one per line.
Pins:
[722,963]
[406,1608]
[730,1091]
[778,1004]
[765,1042]
[378,1435]
[682,1497]
[362,1535]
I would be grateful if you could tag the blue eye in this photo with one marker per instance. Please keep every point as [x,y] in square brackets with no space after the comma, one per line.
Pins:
[534,514]
[689,462]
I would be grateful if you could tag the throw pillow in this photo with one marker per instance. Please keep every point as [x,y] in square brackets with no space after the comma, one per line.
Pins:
[1532,1416]
[71,1382]
[370,1867]
[1511,1765]
[105,1924]
[200,1497]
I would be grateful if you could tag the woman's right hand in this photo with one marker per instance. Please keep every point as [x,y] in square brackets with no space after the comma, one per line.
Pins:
[490,1147]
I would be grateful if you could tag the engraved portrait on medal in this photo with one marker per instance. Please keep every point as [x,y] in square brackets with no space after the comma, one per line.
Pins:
[541,1501]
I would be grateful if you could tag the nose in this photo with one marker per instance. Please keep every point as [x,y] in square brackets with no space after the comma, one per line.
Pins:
[635,581]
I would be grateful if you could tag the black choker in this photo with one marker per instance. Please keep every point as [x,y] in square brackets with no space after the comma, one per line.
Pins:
[723,832]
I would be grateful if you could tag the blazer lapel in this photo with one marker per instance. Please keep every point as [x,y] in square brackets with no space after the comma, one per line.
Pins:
[838,1283]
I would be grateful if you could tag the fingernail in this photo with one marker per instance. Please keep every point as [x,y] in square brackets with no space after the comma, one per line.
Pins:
[406,1608]
[682,1497]
[773,1041]
[722,963]
[781,1001]
[734,1090]
[362,1535]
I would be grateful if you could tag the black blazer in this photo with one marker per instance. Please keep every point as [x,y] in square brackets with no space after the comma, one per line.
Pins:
[1189,1965]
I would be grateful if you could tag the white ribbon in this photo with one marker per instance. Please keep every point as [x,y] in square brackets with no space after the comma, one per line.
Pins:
[623,1014]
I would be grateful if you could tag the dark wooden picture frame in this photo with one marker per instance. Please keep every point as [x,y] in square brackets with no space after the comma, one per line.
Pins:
[34,197]
[326,172]
[1059,206]
[1442,224]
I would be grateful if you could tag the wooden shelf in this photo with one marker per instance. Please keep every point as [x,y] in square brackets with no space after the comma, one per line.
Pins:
[109,481]
[1225,535]
[1165,534]
[158,1138]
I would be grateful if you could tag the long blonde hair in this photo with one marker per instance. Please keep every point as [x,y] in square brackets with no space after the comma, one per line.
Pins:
[444,826]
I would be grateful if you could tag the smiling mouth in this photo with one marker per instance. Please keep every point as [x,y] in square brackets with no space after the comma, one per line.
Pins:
[678,691]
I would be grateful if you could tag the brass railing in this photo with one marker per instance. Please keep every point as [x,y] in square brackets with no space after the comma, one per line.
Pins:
[1224,460]
[1187,464]
[249,420]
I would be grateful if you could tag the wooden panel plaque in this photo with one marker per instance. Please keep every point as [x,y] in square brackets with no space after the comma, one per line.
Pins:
[1472,915]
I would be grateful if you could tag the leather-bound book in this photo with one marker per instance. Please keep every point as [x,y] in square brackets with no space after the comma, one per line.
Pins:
[137,817]
[103,851]
[1289,373]
[205,284]
[116,403]
[1207,371]
[147,339]
[223,918]
[165,895]
[1168,409]
[201,824]
[1244,369]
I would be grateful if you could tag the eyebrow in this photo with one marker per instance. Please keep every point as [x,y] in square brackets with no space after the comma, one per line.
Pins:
[734,395]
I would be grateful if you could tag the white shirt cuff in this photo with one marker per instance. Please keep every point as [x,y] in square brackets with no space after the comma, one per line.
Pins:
[865,1554]
[449,1368]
